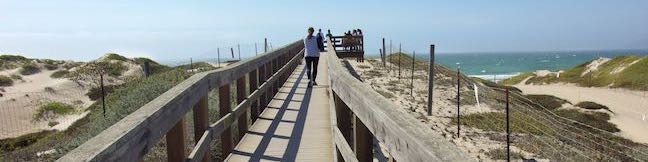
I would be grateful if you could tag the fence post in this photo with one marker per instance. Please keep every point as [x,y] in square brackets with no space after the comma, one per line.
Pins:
[254,107]
[103,95]
[400,54]
[262,80]
[191,64]
[362,141]
[265,45]
[430,81]
[383,53]
[175,139]
[458,103]
[225,107]
[256,50]
[389,58]
[218,51]
[201,121]
[508,131]
[412,83]
[147,69]
[240,96]
[238,46]
[232,51]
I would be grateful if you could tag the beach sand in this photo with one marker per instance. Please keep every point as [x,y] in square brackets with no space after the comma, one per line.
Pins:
[20,101]
[630,107]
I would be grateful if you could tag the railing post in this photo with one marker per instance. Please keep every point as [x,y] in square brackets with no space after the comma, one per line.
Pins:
[254,107]
[362,141]
[240,96]
[262,79]
[225,107]
[201,121]
[343,120]
[175,139]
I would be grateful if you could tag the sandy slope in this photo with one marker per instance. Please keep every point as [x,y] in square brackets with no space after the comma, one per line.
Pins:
[20,101]
[630,107]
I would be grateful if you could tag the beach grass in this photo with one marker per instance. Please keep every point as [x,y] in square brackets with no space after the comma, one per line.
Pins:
[517,79]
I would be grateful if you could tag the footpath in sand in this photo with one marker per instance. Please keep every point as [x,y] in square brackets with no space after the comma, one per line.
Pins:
[630,107]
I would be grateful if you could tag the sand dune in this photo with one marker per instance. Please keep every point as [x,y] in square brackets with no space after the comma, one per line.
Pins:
[630,107]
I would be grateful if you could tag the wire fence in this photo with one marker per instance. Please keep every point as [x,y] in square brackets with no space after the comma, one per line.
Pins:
[537,131]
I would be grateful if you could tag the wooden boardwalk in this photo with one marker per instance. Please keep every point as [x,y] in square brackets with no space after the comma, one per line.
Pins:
[295,126]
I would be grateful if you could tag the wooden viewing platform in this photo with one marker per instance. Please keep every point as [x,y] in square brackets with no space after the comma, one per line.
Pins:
[336,120]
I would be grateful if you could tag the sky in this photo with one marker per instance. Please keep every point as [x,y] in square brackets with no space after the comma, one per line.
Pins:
[166,30]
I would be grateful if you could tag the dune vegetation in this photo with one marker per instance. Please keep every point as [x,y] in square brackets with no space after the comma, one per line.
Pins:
[628,71]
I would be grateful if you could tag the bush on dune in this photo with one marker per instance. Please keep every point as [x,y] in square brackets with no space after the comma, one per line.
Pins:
[29,69]
[59,74]
[5,81]
[53,108]
[592,105]
[548,101]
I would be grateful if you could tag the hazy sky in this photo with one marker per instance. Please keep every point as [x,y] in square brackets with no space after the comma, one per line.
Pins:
[83,29]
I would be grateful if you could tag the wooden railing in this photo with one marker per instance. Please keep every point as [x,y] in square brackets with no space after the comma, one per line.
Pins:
[348,46]
[359,114]
[132,137]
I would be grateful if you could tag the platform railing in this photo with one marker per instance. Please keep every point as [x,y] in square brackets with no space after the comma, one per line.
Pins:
[359,114]
[133,136]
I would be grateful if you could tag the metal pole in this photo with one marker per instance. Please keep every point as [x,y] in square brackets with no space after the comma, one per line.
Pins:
[218,52]
[458,103]
[191,64]
[430,80]
[238,46]
[103,95]
[265,45]
[508,131]
[256,50]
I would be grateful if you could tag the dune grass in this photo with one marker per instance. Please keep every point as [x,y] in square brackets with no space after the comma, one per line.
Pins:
[517,79]
[53,108]
[29,69]
[592,106]
[59,74]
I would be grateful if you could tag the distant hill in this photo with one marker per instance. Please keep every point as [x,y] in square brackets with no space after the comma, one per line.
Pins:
[629,71]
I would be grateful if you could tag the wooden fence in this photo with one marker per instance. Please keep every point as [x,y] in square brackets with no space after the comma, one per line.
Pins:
[132,137]
[348,46]
[359,114]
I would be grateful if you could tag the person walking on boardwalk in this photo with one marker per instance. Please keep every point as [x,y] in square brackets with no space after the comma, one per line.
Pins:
[320,40]
[311,55]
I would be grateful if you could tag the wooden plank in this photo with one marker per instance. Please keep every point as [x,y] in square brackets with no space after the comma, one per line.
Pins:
[240,96]
[362,141]
[406,138]
[175,139]
[201,120]
[344,150]
[213,132]
[225,107]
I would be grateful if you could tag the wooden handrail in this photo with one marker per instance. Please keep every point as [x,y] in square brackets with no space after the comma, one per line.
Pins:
[406,138]
[132,137]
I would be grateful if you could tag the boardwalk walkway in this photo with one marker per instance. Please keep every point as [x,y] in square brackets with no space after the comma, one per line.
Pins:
[295,126]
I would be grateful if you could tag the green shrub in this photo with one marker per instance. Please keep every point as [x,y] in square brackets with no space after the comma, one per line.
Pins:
[114,56]
[115,69]
[363,67]
[59,74]
[12,58]
[50,66]
[500,154]
[594,119]
[53,107]
[548,101]
[95,92]
[154,67]
[29,69]
[16,77]
[592,105]
[12,144]
[5,81]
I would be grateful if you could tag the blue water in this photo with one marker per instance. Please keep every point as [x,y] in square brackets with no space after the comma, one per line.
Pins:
[511,63]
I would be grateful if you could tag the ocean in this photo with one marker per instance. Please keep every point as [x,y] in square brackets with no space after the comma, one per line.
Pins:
[502,65]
